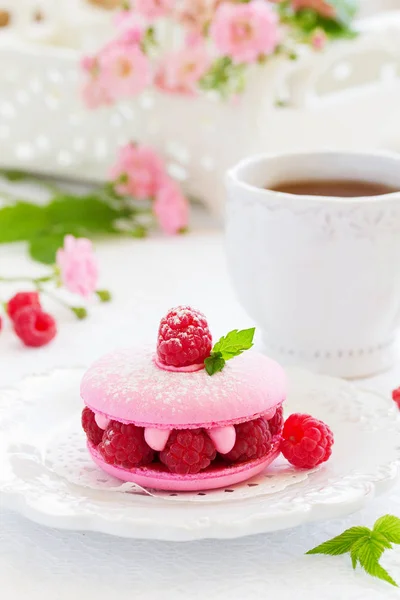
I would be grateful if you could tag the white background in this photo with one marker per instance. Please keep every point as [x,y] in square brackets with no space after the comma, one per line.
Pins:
[147,278]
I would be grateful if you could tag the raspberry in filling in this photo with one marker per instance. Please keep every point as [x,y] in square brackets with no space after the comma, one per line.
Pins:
[276,423]
[253,440]
[90,427]
[124,445]
[187,451]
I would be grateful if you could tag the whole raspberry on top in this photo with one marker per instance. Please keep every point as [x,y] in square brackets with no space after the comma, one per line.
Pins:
[21,300]
[124,445]
[253,440]
[90,427]
[183,338]
[396,396]
[307,442]
[276,423]
[188,451]
[34,327]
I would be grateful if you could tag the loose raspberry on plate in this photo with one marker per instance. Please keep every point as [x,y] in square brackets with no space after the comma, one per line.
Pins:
[188,451]
[124,445]
[307,442]
[396,396]
[21,300]
[183,337]
[253,440]
[90,427]
[34,327]
[276,423]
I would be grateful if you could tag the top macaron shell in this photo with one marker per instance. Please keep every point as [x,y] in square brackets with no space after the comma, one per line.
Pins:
[128,386]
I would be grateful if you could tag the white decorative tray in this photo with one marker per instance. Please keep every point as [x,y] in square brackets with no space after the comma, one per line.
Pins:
[347,96]
[48,476]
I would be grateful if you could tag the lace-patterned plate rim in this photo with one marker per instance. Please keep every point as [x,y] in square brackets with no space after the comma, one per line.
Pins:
[334,491]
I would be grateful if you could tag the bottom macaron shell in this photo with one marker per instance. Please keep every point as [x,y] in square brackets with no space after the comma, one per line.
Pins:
[207,480]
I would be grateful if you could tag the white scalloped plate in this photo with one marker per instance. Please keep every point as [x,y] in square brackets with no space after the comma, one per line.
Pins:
[47,475]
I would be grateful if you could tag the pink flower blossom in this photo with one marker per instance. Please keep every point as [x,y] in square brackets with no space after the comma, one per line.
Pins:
[137,172]
[318,39]
[131,30]
[244,32]
[125,19]
[154,9]
[320,6]
[197,14]
[78,265]
[89,64]
[125,70]
[171,208]
[180,71]
[95,94]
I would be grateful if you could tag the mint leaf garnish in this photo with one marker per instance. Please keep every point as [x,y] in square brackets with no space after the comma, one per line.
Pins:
[366,546]
[214,363]
[231,345]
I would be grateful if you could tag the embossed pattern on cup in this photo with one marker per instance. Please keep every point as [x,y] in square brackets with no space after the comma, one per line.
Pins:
[320,276]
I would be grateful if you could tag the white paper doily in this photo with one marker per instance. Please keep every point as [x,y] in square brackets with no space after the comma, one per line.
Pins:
[48,476]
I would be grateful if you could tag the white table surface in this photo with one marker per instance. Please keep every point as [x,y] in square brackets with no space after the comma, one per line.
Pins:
[146,278]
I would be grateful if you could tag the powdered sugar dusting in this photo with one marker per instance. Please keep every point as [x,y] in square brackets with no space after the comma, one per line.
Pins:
[129,386]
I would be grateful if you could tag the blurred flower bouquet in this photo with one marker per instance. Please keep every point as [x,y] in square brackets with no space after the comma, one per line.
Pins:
[184,49]
[189,46]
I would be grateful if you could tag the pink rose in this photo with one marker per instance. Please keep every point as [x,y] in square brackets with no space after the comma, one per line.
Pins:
[171,208]
[138,172]
[78,265]
[180,71]
[154,9]
[244,32]
[95,93]
[131,31]
[125,70]
[320,6]
[196,14]
[89,64]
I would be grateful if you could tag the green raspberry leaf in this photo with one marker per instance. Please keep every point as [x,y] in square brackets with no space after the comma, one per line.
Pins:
[214,363]
[353,555]
[82,215]
[234,343]
[379,572]
[43,248]
[342,543]
[389,526]
[21,222]
[365,546]
[369,553]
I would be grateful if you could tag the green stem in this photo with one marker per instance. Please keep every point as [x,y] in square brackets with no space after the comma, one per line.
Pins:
[16,279]
[35,280]
[79,311]
[53,297]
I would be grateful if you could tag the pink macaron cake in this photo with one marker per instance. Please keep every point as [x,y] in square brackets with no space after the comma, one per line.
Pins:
[185,416]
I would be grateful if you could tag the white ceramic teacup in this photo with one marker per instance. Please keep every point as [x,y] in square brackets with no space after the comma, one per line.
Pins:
[319,275]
